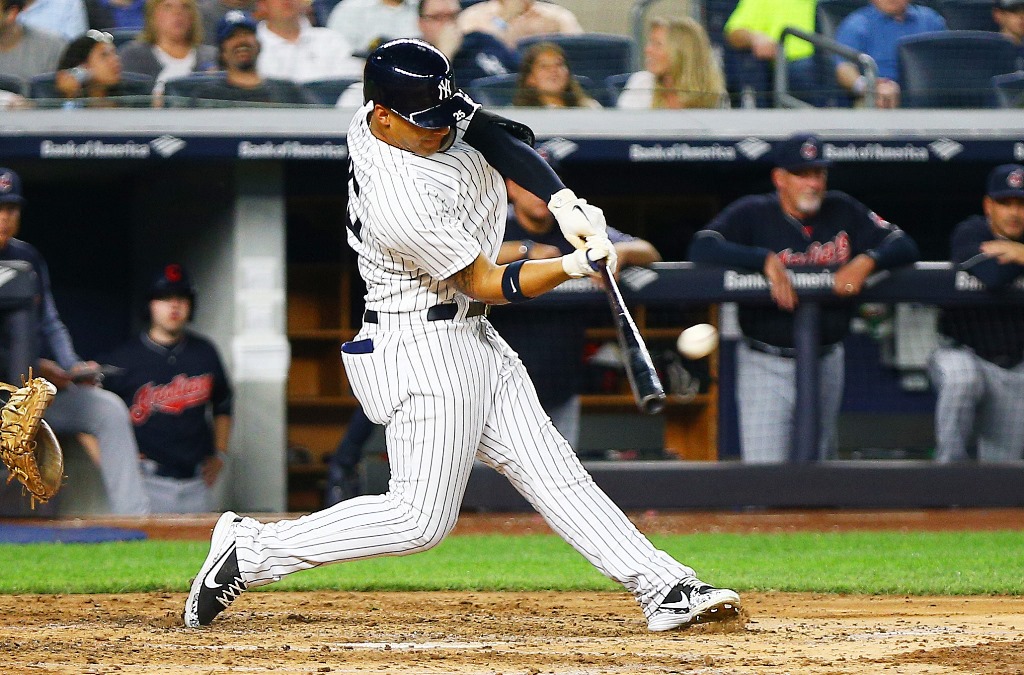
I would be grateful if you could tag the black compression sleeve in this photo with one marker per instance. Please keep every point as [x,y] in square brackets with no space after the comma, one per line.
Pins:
[511,157]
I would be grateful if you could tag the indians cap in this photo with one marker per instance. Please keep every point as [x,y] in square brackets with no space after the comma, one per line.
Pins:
[234,20]
[800,151]
[171,281]
[1009,5]
[1006,181]
[10,187]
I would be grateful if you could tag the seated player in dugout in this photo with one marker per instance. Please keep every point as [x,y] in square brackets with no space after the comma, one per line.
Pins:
[800,225]
[177,391]
[426,212]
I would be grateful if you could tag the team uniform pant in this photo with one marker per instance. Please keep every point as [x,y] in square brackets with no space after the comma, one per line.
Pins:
[979,404]
[766,397]
[104,415]
[175,495]
[449,393]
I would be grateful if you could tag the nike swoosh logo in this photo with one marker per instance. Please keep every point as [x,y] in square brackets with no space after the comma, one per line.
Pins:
[212,574]
[513,285]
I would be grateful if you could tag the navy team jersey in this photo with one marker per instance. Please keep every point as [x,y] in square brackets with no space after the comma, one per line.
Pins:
[169,392]
[842,229]
[994,332]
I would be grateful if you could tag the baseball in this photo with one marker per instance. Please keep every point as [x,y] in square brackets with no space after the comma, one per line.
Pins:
[697,341]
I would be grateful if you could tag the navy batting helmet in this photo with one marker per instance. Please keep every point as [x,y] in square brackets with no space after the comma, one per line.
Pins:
[414,79]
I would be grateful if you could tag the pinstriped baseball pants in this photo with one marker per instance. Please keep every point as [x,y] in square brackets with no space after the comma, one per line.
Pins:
[449,393]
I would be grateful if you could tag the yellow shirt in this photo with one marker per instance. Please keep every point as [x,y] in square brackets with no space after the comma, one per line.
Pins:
[771,16]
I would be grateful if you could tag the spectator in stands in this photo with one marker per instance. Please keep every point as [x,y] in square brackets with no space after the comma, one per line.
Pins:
[89,72]
[179,398]
[680,70]
[474,54]
[874,31]
[170,44]
[1009,16]
[125,14]
[512,20]
[239,50]
[755,26]
[80,405]
[545,81]
[550,341]
[26,51]
[799,225]
[291,48]
[214,10]
[367,23]
[978,369]
[66,18]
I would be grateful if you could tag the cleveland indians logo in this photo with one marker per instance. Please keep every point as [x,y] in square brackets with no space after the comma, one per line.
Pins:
[835,252]
[173,398]
[6,182]
[1015,179]
[444,88]
[809,151]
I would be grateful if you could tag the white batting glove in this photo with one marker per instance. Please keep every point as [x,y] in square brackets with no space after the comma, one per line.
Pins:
[587,261]
[576,218]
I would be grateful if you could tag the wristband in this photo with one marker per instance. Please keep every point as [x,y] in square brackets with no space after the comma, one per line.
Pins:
[510,287]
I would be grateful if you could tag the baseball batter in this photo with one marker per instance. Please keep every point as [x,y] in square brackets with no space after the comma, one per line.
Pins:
[799,225]
[426,212]
[978,371]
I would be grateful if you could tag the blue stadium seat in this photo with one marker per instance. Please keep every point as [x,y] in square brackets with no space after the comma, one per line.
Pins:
[498,90]
[953,69]
[327,92]
[178,92]
[614,84]
[1009,89]
[968,14]
[13,83]
[591,55]
[132,84]
[123,36]
[715,14]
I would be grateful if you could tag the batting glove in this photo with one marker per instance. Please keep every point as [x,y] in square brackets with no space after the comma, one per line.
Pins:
[587,261]
[576,218]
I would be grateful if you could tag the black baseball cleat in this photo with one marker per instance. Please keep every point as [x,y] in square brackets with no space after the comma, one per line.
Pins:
[219,582]
[692,601]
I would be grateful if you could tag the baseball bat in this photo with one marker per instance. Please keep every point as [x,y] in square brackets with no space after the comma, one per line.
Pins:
[643,378]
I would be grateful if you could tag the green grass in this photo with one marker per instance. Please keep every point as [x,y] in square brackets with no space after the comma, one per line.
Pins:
[959,563]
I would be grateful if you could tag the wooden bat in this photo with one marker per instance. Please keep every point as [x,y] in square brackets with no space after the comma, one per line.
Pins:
[643,378]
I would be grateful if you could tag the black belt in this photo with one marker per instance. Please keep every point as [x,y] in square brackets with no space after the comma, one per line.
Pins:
[165,471]
[445,312]
[786,352]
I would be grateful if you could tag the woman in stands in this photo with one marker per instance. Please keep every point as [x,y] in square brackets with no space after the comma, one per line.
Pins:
[89,71]
[545,81]
[170,44]
[681,70]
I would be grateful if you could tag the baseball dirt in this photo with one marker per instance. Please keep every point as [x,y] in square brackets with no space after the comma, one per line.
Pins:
[530,633]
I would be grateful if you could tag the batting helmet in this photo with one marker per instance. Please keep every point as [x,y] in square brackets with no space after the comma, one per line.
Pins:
[414,79]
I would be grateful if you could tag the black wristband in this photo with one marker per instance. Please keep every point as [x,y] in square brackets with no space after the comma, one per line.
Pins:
[510,287]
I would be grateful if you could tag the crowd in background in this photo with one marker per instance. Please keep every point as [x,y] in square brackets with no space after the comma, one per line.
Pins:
[308,52]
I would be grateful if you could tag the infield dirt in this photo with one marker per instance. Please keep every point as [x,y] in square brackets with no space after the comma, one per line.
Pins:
[522,633]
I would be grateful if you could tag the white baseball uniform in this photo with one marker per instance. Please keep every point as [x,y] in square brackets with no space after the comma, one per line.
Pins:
[449,391]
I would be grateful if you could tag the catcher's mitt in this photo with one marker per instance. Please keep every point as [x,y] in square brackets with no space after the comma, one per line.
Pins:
[27,444]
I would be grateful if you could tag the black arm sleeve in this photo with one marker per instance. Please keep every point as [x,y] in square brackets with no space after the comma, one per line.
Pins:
[513,158]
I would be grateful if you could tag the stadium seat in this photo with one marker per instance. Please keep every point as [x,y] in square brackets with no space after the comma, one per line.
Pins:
[968,14]
[13,83]
[133,84]
[953,69]
[614,84]
[123,36]
[179,92]
[1009,89]
[327,92]
[715,14]
[830,13]
[498,90]
[591,55]
[322,10]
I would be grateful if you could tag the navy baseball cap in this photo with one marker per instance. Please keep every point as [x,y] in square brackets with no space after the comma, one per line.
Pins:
[10,187]
[1009,5]
[171,281]
[1006,181]
[234,20]
[800,151]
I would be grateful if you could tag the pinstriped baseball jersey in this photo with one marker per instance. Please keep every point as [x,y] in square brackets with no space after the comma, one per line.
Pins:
[415,221]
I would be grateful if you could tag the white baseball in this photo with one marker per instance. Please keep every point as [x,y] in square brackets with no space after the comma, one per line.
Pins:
[697,341]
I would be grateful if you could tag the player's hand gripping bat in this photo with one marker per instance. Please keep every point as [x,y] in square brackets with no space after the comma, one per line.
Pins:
[643,379]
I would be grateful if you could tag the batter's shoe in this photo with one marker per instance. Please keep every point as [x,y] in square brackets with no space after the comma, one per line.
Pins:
[692,601]
[219,582]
